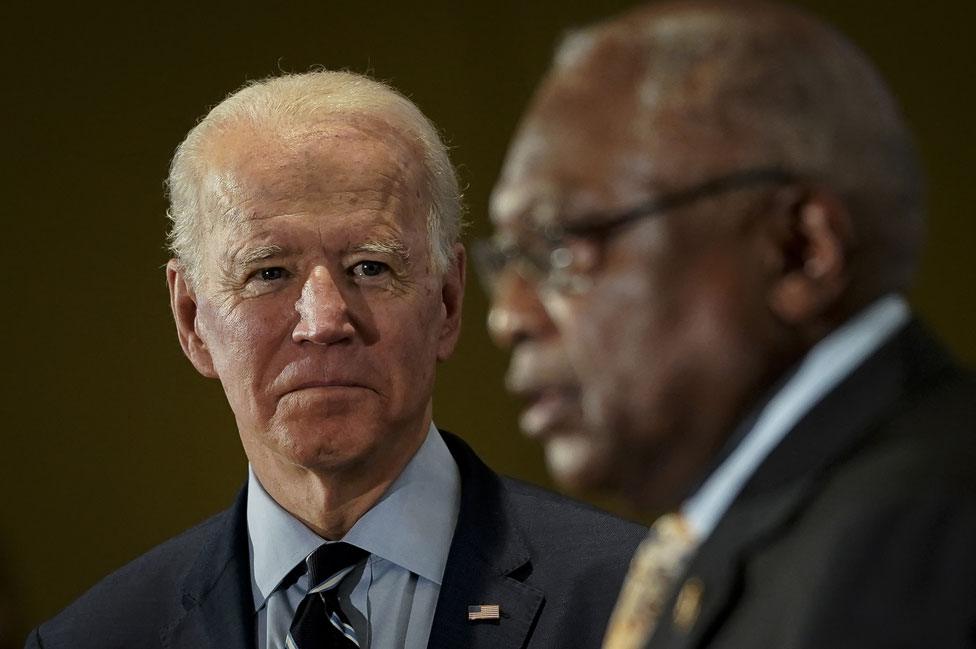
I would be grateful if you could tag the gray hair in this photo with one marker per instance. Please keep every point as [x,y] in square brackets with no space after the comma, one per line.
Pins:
[298,99]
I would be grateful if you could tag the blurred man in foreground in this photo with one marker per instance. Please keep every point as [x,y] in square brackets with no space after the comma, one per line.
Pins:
[317,274]
[705,229]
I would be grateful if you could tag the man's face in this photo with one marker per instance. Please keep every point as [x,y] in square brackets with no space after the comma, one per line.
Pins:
[632,383]
[317,307]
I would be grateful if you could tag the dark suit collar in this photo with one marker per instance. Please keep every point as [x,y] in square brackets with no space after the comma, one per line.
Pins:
[846,416]
[836,427]
[217,601]
[487,564]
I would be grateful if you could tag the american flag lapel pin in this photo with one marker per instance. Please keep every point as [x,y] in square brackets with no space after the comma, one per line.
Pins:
[483,612]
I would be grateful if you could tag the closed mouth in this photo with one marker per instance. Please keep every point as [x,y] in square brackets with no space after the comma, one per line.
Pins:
[549,410]
[327,384]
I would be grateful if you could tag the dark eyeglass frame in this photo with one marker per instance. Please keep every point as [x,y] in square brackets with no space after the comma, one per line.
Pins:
[550,268]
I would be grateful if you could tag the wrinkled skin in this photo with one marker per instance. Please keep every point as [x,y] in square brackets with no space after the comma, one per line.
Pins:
[318,309]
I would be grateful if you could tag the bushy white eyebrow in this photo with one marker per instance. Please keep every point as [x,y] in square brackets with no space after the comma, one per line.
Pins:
[391,247]
[259,253]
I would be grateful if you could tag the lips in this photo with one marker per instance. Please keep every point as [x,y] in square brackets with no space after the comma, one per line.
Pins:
[326,389]
[550,411]
[308,375]
[313,384]
[544,378]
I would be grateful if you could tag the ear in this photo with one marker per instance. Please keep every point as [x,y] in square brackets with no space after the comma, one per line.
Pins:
[183,302]
[814,258]
[452,299]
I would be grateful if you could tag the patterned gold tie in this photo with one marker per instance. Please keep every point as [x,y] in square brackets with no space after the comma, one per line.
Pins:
[654,570]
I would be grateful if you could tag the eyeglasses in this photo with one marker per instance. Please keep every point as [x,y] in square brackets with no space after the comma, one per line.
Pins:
[556,258]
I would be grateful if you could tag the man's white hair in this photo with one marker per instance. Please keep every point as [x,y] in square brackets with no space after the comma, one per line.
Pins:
[298,100]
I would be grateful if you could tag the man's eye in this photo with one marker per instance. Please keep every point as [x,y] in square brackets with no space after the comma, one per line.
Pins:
[271,274]
[369,269]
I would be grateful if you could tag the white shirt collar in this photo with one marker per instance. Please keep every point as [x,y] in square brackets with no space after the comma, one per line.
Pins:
[412,524]
[824,366]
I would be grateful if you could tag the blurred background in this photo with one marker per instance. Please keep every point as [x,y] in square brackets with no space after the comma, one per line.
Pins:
[113,443]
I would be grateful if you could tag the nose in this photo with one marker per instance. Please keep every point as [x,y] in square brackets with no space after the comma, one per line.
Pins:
[517,312]
[323,312]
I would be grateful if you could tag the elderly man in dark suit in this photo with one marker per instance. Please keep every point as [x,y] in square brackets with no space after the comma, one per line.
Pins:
[317,274]
[706,226]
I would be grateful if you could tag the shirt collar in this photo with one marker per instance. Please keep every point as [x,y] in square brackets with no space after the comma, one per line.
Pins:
[823,368]
[412,524]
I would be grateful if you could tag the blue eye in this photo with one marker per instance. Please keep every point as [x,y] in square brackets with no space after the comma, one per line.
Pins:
[369,269]
[271,274]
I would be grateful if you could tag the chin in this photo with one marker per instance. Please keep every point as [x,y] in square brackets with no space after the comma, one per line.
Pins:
[319,445]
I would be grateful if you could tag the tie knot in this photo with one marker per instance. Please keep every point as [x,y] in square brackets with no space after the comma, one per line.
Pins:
[667,546]
[331,562]
[673,528]
[653,574]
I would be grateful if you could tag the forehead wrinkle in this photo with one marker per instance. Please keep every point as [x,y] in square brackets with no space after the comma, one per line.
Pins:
[404,151]
[299,175]
[295,162]
[397,168]
[221,198]
[311,192]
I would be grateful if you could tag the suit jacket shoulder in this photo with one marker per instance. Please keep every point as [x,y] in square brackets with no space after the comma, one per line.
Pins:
[553,565]
[146,603]
[857,531]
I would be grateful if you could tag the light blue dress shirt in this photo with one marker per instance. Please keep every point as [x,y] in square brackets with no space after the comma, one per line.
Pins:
[390,599]
[824,367]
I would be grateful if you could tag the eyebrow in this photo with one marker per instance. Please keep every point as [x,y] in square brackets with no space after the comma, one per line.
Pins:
[249,256]
[392,247]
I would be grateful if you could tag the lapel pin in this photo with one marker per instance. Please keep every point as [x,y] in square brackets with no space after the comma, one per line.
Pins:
[688,604]
[484,612]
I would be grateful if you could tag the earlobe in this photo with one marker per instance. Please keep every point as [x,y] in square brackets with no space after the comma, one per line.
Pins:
[452,299]
[814,255]
[183,302]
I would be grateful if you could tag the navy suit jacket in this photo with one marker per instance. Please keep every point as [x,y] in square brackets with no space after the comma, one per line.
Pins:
[859,529]
[554,566]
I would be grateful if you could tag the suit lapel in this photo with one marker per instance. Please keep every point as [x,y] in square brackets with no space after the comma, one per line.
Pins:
[718,567]
[788,477]
[484,566]
[217,591]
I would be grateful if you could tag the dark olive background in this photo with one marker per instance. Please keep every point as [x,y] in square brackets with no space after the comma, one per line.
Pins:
[112,442]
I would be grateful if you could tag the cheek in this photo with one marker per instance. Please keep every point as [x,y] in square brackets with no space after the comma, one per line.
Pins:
[611,335]
[239,338]
[722,311]
[412,347]
[625,345]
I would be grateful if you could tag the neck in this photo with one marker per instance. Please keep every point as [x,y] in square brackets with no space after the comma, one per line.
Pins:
[329,501]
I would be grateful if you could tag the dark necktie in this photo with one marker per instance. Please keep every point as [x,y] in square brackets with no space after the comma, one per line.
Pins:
[319,623]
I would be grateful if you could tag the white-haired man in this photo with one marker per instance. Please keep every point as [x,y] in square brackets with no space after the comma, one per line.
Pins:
[317,274]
